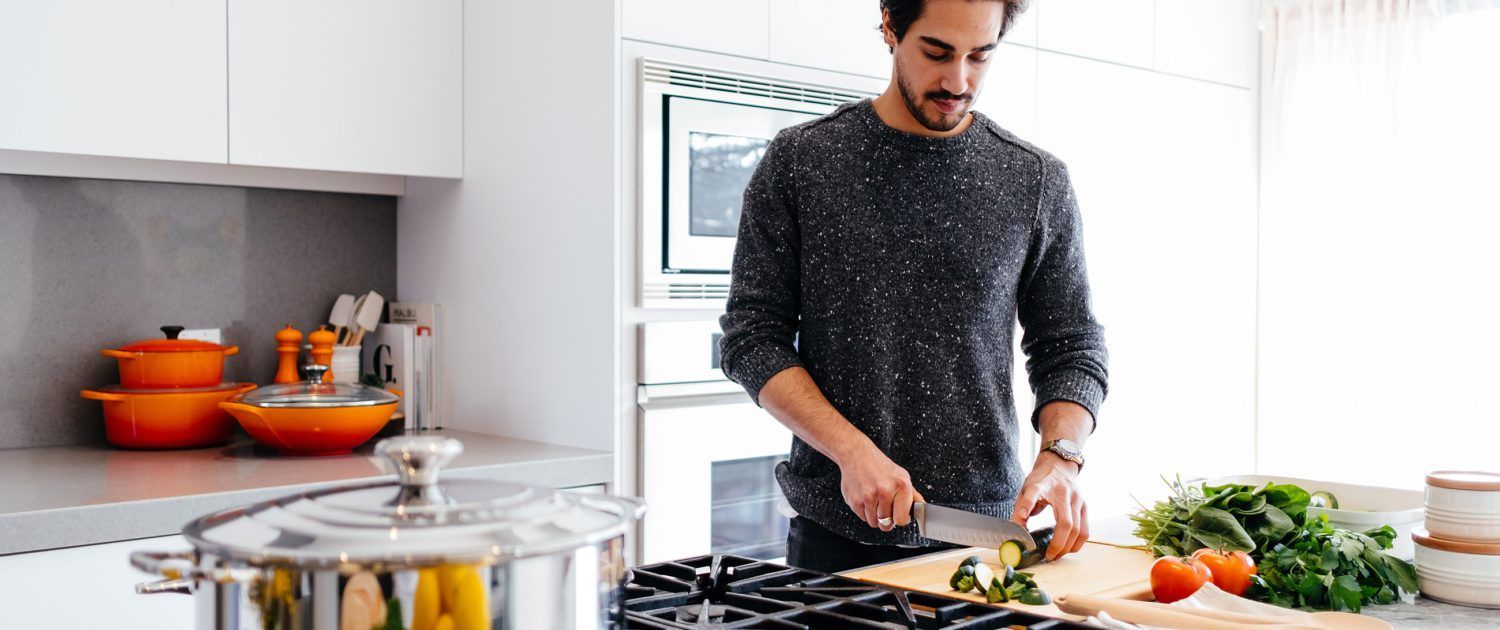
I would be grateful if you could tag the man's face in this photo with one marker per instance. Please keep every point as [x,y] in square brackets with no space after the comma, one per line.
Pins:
[940,63]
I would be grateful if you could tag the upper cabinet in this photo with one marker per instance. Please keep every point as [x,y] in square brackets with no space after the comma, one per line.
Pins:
[1217,41]
[371,86]
[737,27]
[829,34]
[1121,31]
[140,79]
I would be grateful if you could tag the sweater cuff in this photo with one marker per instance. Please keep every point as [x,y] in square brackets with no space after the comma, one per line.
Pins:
[1071,386]
[755,365]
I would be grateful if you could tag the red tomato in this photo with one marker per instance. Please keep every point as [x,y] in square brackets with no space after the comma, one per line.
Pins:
[1174,578]
[1231,569]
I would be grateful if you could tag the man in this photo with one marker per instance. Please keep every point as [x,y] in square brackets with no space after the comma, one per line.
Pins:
[885,251]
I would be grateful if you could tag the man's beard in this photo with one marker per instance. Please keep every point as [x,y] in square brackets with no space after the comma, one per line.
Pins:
[939,124]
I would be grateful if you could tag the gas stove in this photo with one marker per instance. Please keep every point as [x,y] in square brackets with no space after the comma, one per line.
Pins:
[724,591]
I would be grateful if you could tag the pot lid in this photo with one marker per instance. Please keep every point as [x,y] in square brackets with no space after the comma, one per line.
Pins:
[1421,536]
[1464,480]
[221,387]
[313,392]
[419,520]
[171,343]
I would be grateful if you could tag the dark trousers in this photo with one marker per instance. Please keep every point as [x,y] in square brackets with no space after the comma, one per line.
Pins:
[811,546]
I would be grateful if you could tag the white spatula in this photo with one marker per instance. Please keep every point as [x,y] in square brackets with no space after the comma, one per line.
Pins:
[343,311]
[367,315]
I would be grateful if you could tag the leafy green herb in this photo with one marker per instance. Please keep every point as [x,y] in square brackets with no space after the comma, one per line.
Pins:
[1301,562]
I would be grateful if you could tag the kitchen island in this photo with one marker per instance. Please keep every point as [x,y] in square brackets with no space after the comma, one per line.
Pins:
[82,495]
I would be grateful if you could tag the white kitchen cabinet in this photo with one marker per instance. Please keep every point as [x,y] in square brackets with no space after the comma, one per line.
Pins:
[840,35]
[365,86]
[1215,40]
[1165,177]
[142,79]
[736,27]
[90,587]
[1119,31]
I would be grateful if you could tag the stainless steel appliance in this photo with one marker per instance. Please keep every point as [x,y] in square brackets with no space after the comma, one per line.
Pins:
[407,554]
[702,133]
[707,453]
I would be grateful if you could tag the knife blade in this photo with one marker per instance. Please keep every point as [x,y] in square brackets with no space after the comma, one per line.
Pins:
[965,528]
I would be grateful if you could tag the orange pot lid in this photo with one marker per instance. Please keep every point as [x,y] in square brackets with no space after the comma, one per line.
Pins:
[171,343]
[1422,537]
[221,387]
[1464,480]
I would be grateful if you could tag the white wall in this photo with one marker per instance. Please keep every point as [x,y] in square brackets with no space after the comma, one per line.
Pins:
[522,251]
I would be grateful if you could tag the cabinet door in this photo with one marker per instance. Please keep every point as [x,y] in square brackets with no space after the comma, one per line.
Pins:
[89,587]
[736,27]
[1121,31]
[369,86]
[840,35]
[141,79]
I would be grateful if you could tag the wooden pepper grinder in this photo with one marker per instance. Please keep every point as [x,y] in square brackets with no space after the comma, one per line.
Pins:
[288,346]
[322,341]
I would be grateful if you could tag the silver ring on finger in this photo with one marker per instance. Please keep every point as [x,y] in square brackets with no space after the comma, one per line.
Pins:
[884,522]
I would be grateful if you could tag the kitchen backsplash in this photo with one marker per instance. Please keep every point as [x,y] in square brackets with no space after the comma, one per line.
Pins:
[87,264]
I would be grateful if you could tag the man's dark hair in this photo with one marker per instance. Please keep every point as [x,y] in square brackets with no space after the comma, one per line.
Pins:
[904,12]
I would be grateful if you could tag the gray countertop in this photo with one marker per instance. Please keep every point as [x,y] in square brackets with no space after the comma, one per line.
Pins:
[78,495]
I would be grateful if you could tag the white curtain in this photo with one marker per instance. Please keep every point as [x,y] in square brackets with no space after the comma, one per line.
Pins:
[1379,289]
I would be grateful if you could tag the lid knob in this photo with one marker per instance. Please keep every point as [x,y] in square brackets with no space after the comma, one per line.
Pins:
[314,372]
[417,460]
[172,331]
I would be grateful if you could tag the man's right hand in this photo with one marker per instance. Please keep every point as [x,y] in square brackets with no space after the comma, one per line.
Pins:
[877,489]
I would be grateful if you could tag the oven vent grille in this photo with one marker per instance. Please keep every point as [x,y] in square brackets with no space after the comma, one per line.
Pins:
[714,80]
[687,292]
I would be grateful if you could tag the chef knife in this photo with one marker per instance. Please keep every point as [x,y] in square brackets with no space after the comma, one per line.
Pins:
[967,528]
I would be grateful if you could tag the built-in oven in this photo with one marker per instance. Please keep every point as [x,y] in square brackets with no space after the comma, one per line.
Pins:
[703,131]
[707,453]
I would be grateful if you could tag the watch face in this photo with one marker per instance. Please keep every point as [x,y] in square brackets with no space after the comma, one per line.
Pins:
[1070,446]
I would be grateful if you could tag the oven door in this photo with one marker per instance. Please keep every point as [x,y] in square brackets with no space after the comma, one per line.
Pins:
[711,149]
[708,457]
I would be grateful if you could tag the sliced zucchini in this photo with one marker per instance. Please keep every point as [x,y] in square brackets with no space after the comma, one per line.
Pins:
[970,561]
[965,584]
[1010,553]
[1007,577]
[958,574]
[1324,500]
[1022,577]
[968,570]
[996,595]
[983,576]
[1035,597]
[1042,538]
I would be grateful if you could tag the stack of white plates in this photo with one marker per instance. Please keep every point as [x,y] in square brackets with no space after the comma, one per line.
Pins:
[1458,554]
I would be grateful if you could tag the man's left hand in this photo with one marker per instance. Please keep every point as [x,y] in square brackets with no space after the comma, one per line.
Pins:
[1054,481]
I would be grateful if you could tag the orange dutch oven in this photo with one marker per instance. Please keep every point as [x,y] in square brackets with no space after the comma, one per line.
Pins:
[171,362]
[312,417]
[167,418]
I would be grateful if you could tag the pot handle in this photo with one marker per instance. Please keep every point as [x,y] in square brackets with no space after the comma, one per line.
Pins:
[231,350]
[176,566]
[181,585]
[117,354]
[97,395]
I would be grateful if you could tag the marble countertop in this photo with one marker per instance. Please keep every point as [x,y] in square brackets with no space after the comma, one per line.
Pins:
[78,495]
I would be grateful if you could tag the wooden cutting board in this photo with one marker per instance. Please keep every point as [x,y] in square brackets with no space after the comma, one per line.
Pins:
[1097,569]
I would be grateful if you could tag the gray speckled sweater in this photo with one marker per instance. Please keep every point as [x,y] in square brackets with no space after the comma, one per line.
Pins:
[899,265]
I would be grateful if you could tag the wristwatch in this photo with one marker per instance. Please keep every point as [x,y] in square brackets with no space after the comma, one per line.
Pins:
[1066,449]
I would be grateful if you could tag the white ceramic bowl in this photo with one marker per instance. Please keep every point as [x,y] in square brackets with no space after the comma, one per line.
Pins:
[1462,528]
[1458,572]
[1464,492]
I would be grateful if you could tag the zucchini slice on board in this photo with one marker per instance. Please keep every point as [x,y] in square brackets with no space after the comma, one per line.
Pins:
[983,576]
[1035,597]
